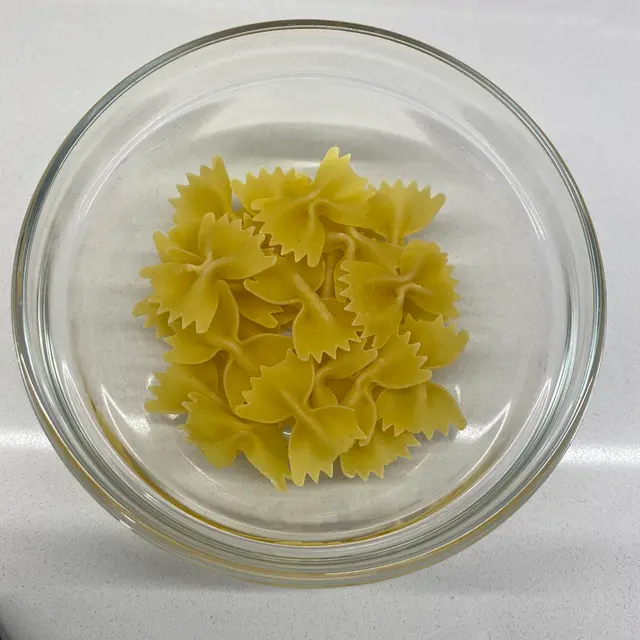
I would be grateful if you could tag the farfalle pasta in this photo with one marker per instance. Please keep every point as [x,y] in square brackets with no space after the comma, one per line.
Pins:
[304,324]
[396,211]
[243,358]
[209,191]
[153,319]
[425,407]
[322,325]
[188,284]
[383,448]
[221,435]
[297,217]
[377,293]
[318,435]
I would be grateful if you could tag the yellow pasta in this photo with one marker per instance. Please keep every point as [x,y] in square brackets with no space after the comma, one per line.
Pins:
[154,320]
[284,318]
[248,328]
[396,366]
[288,314]
[318,436]
[221,435]
[268,185]
[295,220]
[377,293]
[244,357]
[206,192]
[322,326]
[355,244]
[255,309]
[304,327]
[426,407]
[382,449]
[343,367]
[188,285]
[177,382]
[397,211]
[441,344]
[348,243]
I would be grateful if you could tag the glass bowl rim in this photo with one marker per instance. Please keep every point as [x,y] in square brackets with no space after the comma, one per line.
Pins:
[96,486]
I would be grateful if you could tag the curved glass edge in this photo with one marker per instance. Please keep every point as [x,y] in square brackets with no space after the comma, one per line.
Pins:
[500,512]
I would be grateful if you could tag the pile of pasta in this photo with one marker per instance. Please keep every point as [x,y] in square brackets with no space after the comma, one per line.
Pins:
[303,320]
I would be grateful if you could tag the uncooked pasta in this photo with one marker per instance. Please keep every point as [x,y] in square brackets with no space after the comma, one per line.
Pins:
[305,323]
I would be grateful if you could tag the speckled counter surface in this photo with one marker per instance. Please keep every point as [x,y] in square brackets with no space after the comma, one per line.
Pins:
[566,566]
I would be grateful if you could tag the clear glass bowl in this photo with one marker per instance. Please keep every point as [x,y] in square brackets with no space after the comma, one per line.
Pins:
[515,226]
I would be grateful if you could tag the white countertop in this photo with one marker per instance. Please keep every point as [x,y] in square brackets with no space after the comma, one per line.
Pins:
[567,565]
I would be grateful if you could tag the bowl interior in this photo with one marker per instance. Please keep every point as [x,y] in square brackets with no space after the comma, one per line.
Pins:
[283,98]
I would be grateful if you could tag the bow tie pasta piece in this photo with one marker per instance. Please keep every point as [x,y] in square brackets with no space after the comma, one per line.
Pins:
[244,357]
[265,349]
[375,296]
[206,192]
[231,250]
[377,293]
[355,244]
[221,435]
[442,411]
[349,243]
[191,347]
[382,449]
[177,382]
[397,366]
[398,211]
[343,367]
[318,436]
[154,320]
[170,250]
[268,185]
[430,285]
[322,326]
[190,290]
[440,343]
[286,282]
[425,408]
[295,220]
